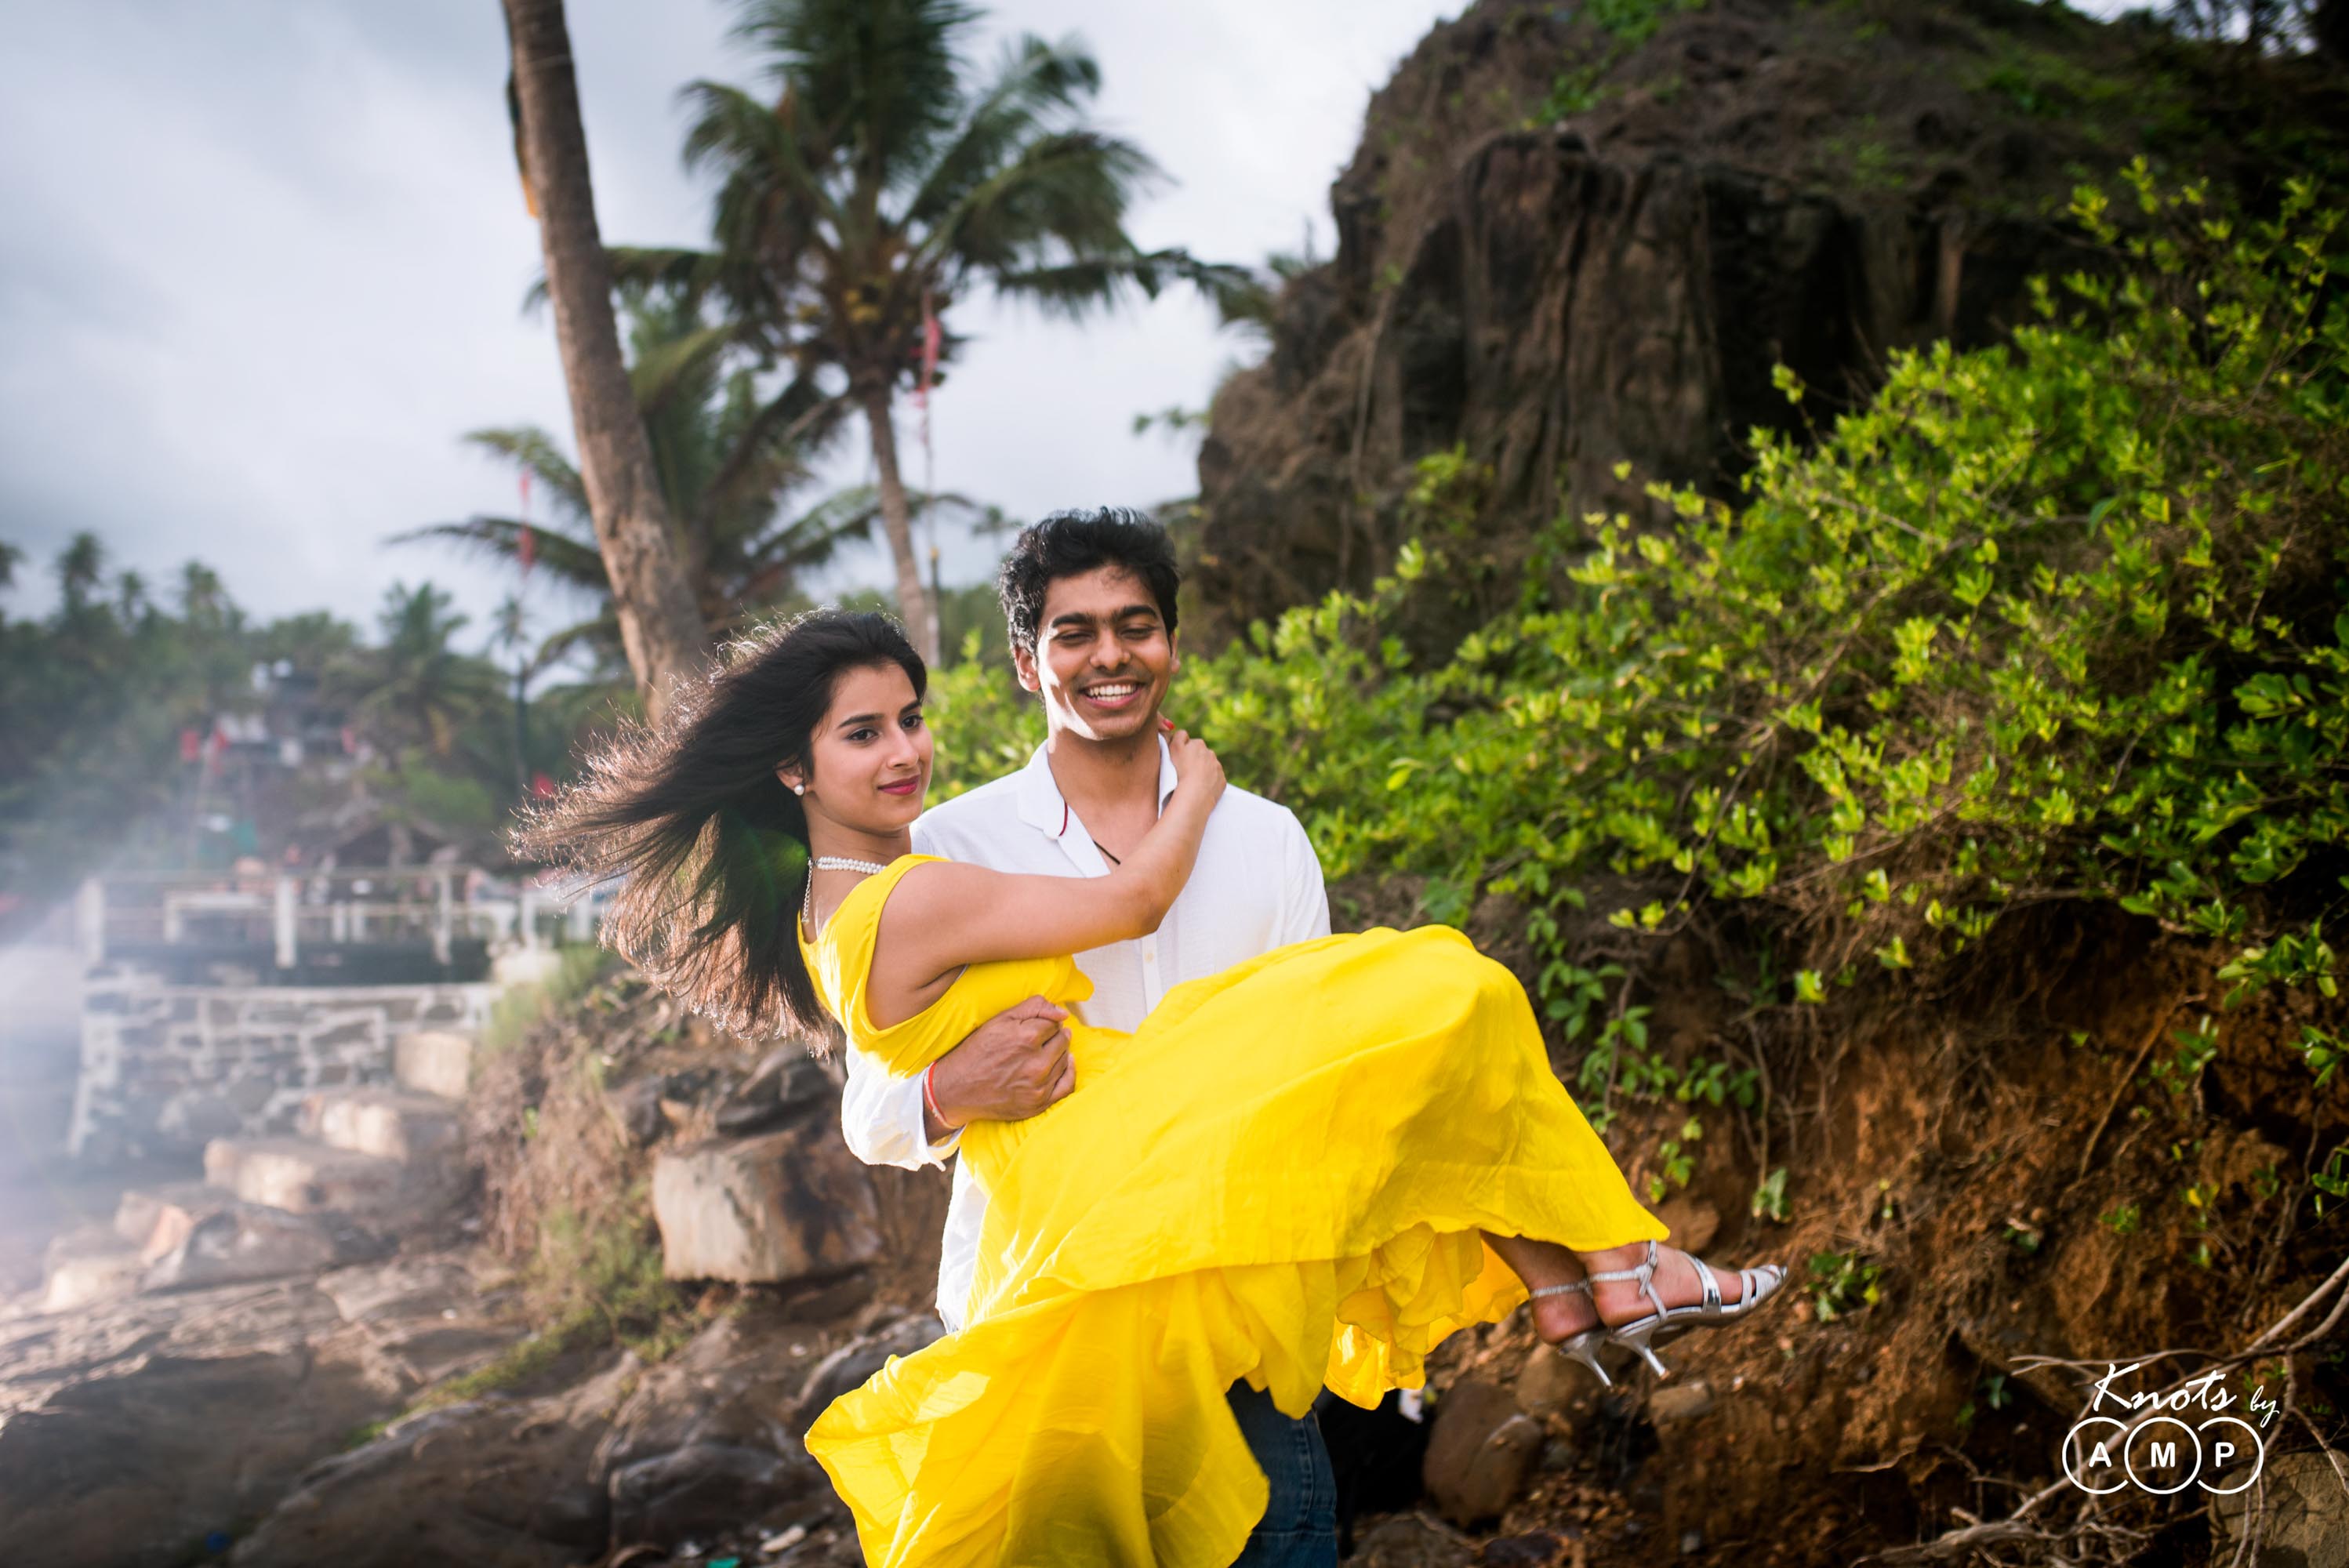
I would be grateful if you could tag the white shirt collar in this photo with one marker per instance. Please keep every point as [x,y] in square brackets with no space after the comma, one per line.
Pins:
[1043,808]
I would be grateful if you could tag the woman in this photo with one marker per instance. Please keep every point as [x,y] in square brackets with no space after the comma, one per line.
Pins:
[1307,1170]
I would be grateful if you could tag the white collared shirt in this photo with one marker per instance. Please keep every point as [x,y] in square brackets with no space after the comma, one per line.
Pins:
[1256,885]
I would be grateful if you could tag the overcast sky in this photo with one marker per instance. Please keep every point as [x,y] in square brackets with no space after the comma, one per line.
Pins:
[261,265]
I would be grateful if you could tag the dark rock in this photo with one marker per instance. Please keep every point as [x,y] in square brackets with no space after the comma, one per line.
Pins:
[124,1471]
[400,1287]
[697,1448]
[1556,299]
[2299,1510]
[852,1363]
[251,1240]
[1539,1550]
[496,1479]
[701,1489]
[788,1083]
[1413,1542]
[777,1207]
[1480,1453]
[636,1108]
[1680,1402]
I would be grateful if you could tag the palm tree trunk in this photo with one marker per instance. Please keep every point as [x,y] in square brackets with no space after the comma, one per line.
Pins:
[897,521]
[666,642]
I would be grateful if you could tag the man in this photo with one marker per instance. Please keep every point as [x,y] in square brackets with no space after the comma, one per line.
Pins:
[1090,599]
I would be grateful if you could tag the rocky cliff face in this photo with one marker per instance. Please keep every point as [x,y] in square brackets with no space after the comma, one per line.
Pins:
[1576,236]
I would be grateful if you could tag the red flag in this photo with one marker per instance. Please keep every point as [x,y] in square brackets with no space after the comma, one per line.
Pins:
[527,547]
[930,355]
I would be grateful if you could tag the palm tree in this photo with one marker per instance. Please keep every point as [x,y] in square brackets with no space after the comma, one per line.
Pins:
[417,690]
[883,181]
[726,459]
[632,529]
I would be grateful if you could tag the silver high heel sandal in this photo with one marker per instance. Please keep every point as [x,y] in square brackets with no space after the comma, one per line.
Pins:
[1758,1285]
[1583,1346]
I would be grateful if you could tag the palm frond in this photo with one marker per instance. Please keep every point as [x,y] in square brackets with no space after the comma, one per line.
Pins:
[533,451]
[1074,288]
[1068,190]
[735,133]
[773,566]
[776,443]
[877,78]
[1036,84]
[579,564]
[600,632]
[664,367]
[649,268]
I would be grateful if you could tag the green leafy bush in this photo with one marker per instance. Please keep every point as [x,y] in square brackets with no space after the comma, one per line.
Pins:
[2058,620]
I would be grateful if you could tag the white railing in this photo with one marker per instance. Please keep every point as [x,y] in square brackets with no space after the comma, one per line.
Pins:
[294,911]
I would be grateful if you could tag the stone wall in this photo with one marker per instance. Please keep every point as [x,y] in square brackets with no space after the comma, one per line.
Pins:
[165,1067]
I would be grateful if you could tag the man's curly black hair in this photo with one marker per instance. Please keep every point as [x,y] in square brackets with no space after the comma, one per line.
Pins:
[1071,543]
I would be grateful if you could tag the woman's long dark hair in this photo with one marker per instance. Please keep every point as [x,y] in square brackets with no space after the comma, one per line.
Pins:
[712,846]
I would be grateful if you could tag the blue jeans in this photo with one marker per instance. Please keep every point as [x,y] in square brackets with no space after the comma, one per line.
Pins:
[1300,1527]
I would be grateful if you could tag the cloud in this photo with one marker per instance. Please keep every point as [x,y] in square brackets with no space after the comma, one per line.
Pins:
[262,266]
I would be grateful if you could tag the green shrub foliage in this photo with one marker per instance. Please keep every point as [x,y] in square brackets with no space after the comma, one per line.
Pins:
[2058,620]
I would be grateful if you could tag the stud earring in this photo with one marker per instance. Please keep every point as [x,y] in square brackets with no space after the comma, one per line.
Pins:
[799,788]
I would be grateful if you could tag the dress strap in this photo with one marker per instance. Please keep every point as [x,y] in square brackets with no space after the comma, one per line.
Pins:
[840,958]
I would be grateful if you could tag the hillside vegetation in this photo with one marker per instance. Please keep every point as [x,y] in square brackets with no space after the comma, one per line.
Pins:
[1980,769]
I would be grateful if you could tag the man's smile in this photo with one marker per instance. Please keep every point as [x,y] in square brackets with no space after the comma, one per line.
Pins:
[1111,694]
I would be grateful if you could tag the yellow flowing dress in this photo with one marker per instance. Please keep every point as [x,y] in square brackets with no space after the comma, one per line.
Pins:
[1279,1177]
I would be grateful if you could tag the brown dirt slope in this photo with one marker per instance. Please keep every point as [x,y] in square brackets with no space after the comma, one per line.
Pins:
[2012,1165]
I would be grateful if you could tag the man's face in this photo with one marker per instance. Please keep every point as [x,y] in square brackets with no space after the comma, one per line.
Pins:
[1103,655]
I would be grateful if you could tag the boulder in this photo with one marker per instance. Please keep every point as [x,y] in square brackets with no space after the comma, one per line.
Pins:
[781,1206]
[1692,1222]
[1554,1385]
[434,1061]
[86,1265]
[129,1469]
[697,1448]
[424,1316]
[304,1177]
[496,1479]
[1538,1549]
[787,1083]
[852,1363]
[2300,1506]
[1412,1542]
[1680,1402]
[634,1108]
[401,1125]
[248,1241]
[1480,1453]
[155,1220]
[400,1287]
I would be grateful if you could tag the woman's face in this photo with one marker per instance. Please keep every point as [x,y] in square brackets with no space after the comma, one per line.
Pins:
[870,756]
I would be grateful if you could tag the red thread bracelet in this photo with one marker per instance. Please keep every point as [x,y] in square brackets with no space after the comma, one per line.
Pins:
[931,1099]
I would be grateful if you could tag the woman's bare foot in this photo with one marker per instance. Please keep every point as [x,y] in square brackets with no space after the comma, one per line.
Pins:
[1545,1263]
[1564,1315]
[1677,1280]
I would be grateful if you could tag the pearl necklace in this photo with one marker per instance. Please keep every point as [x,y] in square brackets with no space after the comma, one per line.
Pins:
[829,863]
